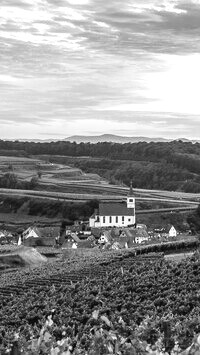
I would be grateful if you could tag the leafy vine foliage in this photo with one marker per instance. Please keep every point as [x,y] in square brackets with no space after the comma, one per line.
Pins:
[129,305]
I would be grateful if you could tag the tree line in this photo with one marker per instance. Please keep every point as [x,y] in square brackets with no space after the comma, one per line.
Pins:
[164,165]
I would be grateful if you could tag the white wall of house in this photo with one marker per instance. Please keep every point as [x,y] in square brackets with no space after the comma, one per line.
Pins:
[140,239]
[126,245]
[103,239]
[172,232]
[115,246]
[31,234]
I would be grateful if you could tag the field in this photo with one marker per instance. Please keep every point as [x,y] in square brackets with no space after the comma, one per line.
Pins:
[61,183]
[26,168]
[72,183]
[133,301]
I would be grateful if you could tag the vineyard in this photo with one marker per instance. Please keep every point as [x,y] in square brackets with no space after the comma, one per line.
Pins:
[110,303]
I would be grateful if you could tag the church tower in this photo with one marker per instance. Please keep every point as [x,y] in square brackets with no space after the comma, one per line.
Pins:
[130,198]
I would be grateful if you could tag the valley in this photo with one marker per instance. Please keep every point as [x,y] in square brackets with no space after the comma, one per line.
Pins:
[56,186]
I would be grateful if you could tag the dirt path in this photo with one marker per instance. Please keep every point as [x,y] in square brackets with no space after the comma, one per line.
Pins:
[179,256]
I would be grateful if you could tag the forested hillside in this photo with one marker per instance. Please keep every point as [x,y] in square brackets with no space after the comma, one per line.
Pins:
[162,165]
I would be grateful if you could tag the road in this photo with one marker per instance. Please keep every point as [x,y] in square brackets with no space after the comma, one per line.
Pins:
[185,205]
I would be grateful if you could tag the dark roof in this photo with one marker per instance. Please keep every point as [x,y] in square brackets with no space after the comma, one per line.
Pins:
[43,231]
[85,244]
[115,232]
[115,209]
[140,232]
[96,232]
[77,228]
[108,235]
[75,237]
[72,238]
[169,226]
[67,244]
[122,241]
[40,241]
[49,231]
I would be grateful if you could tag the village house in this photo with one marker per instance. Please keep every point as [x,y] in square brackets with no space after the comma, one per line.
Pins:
[105,237]
[2,234]
[126,238]
[40,236]
[172,232]
[73,242]
[116,214]
[163,233]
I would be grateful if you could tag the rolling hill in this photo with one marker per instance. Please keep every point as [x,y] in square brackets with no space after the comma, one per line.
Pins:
[112,138]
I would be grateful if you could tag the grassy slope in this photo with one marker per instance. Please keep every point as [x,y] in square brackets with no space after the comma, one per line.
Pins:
[72,185]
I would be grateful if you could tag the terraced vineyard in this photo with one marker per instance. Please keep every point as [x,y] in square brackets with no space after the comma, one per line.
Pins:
[112,290]
[67,272]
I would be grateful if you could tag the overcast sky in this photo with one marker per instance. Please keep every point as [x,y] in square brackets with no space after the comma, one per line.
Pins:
[99,66]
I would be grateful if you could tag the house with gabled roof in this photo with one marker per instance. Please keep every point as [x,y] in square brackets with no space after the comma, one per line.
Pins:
[2,234]
[71,241]
[127,238]
[171,231]
[105,237]
[40,236]
[137,235]
[39,232]
[115,214]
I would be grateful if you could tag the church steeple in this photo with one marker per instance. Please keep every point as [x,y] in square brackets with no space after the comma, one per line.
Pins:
[130,194]
[130,197]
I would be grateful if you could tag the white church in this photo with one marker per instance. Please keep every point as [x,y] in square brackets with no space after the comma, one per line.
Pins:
[115,214]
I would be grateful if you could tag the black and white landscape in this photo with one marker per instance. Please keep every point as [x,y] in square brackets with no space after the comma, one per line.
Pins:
[99,177]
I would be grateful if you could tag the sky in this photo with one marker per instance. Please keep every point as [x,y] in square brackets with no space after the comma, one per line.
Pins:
[91,67]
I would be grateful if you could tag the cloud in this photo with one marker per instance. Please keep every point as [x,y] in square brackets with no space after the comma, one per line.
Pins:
[16,3]
[126,63]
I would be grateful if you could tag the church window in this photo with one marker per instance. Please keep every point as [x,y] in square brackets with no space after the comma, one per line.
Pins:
[116,219]
[104,219]
[130,200]
[110,219]
[122,218]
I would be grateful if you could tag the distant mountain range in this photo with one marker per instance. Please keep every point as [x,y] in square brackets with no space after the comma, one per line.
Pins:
[119,139]
[108,138]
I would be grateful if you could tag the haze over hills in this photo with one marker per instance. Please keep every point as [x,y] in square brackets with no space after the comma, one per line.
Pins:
[117,139]
[107,138]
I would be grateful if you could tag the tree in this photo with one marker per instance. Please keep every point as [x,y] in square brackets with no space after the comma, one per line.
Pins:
[39,174]
[8,180]
[33,183]
[194,221]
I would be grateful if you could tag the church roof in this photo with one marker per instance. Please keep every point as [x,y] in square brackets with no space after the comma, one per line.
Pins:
[115,209]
